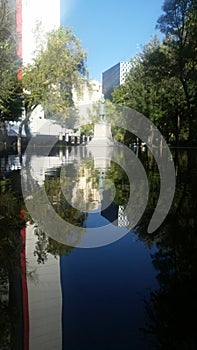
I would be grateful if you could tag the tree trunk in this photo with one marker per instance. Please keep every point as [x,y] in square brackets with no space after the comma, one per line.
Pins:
[25,122]
[3,131]
[19,145]
[178,122]
[190,122]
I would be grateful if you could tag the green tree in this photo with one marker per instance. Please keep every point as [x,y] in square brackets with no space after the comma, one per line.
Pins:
[168,109]
[57,69]
[143,91]
[162,81]
[179,23]
[10,269]
[10,101]
[173,306]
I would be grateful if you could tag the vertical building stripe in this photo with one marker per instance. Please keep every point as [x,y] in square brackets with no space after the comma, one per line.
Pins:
[19,27]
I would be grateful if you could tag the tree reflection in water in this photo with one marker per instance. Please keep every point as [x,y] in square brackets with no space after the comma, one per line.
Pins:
[53,186]
[10,270]
[172,309]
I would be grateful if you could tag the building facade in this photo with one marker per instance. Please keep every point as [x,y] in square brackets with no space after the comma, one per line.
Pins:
[34,18]
[113,77]
[29,15]
[85,100]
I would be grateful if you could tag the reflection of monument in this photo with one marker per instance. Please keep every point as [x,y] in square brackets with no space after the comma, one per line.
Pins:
[101,146]
[102,130]
[85,195]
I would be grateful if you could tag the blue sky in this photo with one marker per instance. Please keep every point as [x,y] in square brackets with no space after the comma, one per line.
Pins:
[111,31]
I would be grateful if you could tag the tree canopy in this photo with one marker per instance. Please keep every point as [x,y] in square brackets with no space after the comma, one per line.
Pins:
[162,81]
[57,69]
[10,102]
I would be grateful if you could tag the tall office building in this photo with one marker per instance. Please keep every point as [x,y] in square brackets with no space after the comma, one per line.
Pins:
[29,13]
[34,18]
[114,76]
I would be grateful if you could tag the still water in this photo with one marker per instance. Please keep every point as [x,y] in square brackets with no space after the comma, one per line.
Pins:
[138,292]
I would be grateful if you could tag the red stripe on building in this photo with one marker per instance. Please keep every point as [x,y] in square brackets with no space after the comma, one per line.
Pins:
[19,27]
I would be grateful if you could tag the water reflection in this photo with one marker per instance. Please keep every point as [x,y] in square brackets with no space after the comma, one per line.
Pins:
[57,297]
[172,307]
[11,260]
[61,198]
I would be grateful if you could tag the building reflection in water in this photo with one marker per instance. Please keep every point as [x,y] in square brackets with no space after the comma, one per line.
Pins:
[42,299]
[88,194]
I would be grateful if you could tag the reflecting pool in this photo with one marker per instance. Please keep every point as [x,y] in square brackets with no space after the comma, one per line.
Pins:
[135,291]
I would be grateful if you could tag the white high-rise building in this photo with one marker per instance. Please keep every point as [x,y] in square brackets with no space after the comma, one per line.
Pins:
[45,12]
[30,13]
[34,18]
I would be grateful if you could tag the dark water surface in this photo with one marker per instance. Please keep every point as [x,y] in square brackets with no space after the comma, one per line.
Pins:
[139,292]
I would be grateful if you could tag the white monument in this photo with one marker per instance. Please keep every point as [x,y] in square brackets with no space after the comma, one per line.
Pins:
[102,130]
[101,146]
